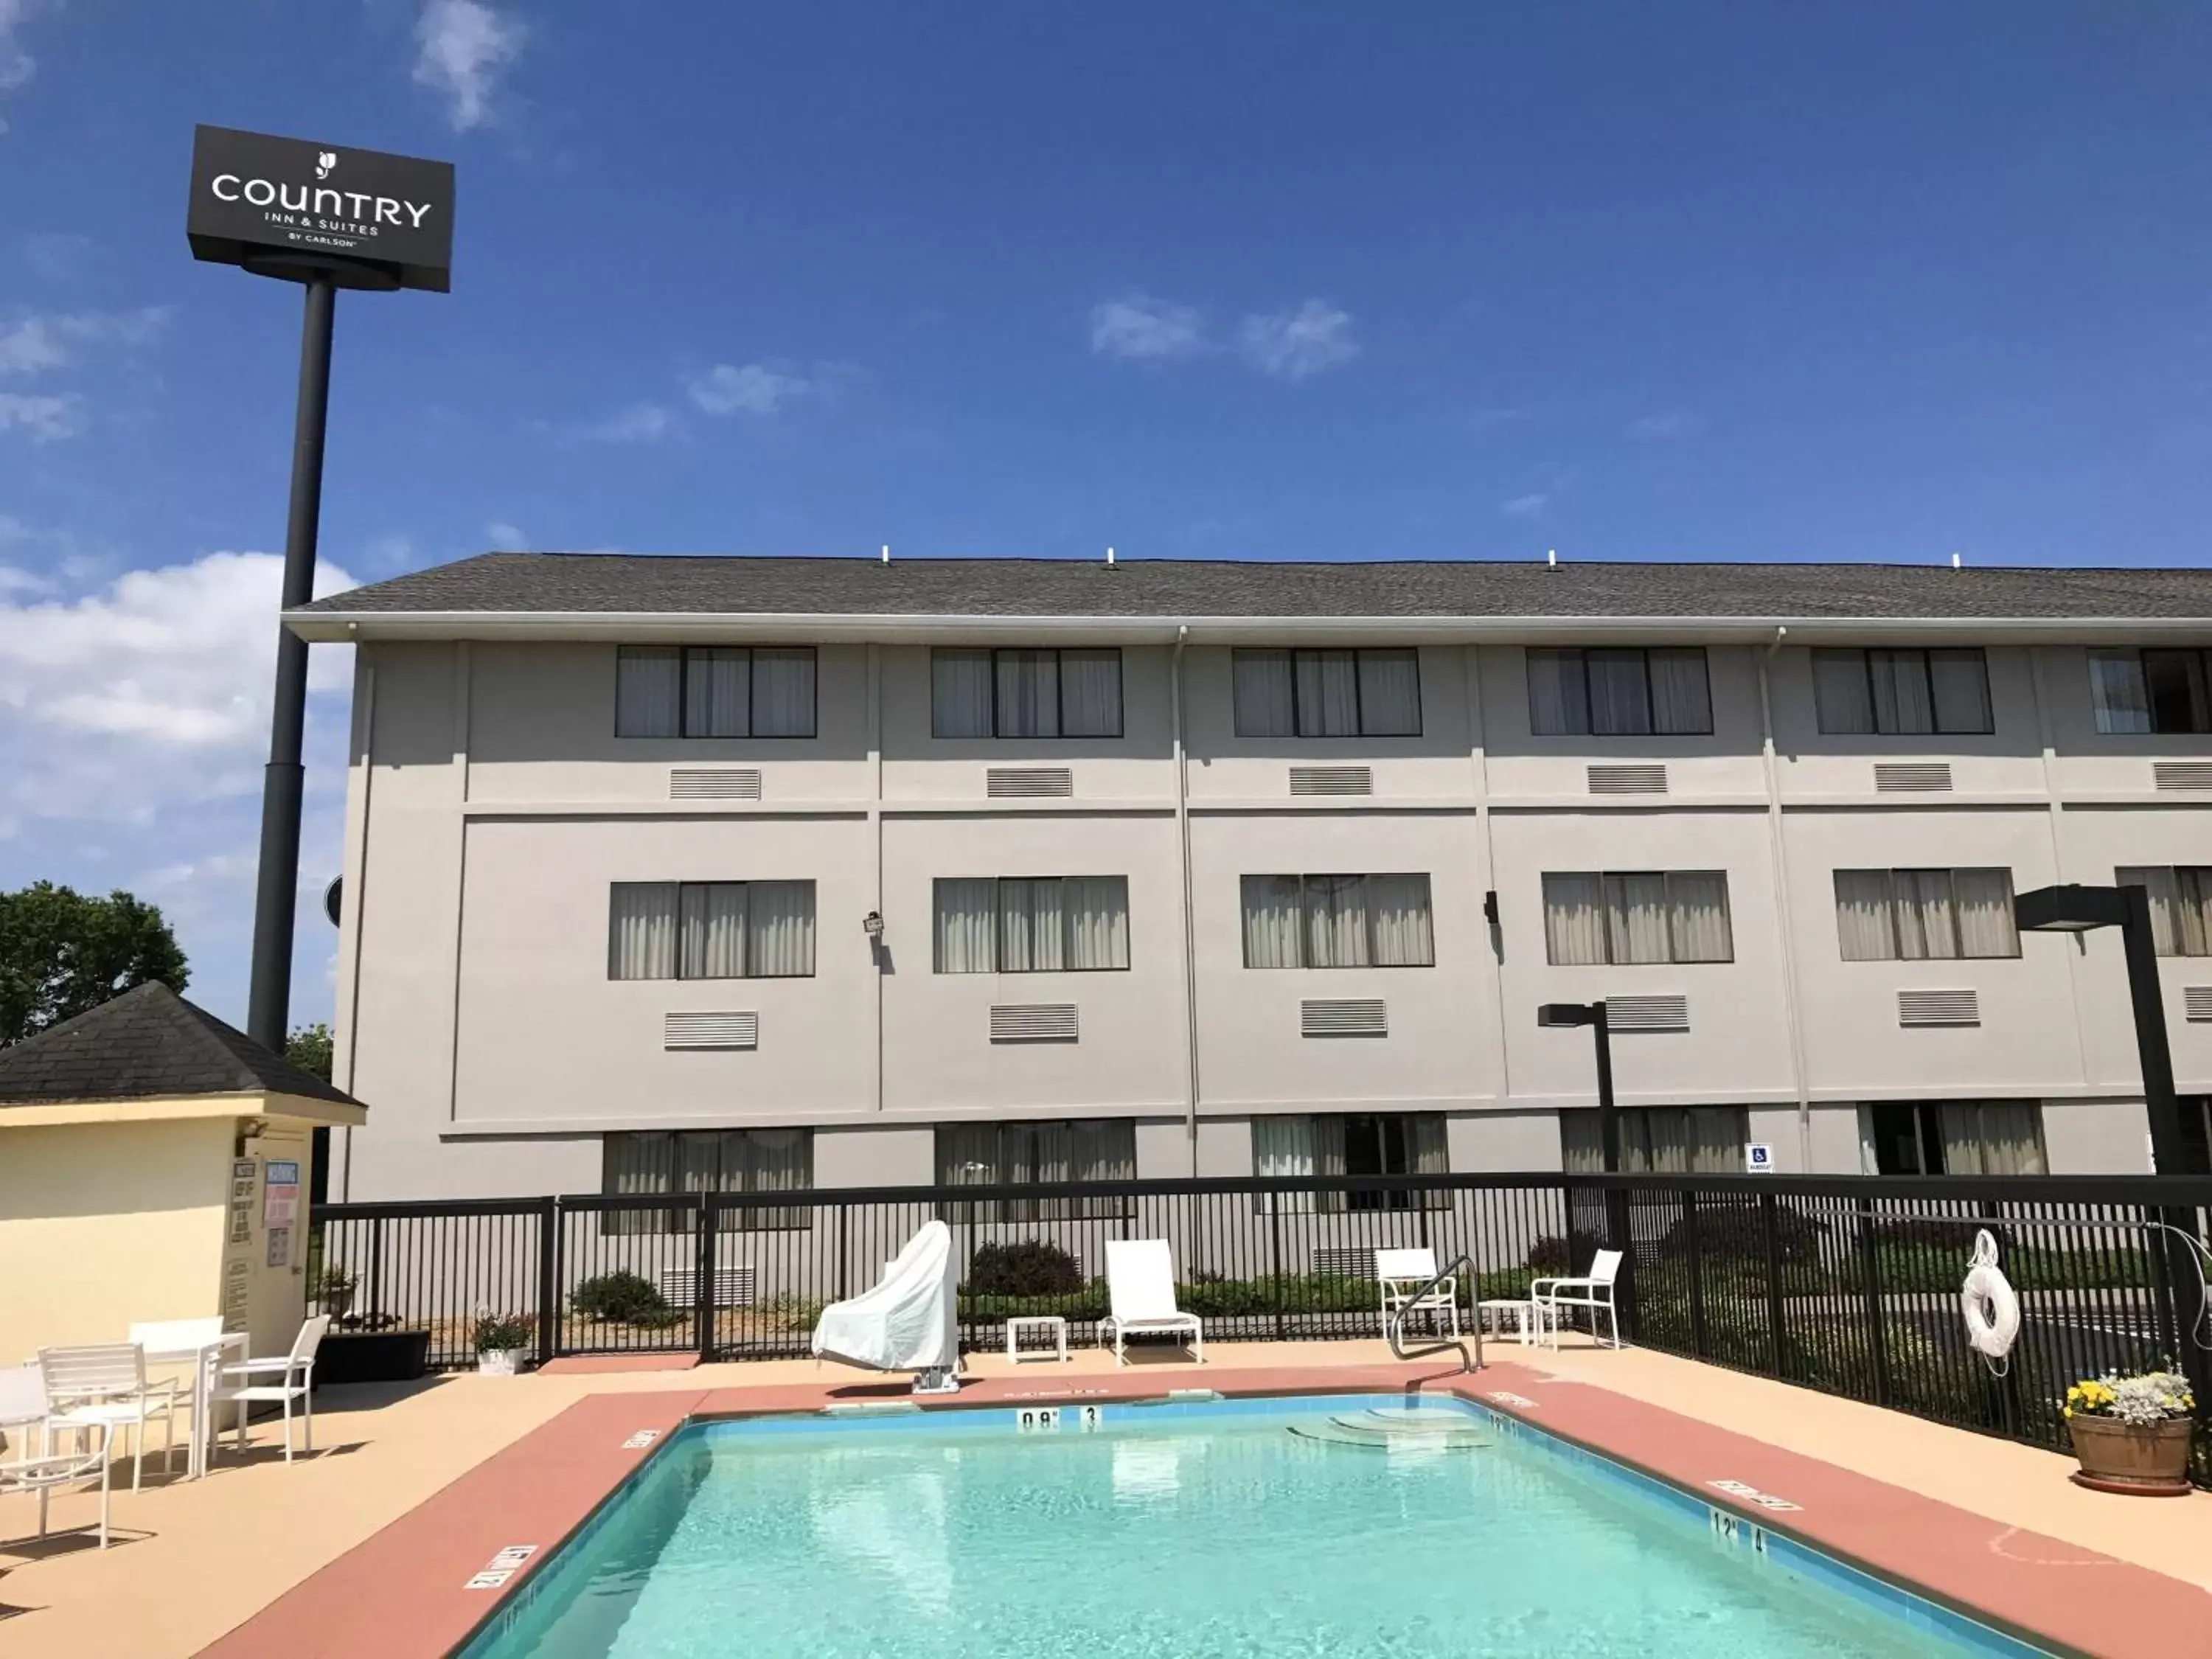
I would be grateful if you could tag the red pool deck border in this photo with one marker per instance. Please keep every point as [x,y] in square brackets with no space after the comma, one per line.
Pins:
[400,1594]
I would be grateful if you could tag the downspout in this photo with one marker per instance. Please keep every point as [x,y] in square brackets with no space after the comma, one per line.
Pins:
[1793,1020]
[876,818]
[1189,927]
[353,897]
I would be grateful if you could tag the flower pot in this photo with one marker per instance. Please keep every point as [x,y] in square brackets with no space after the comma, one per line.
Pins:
[2148,1460]
[500,1362]
[337,1303]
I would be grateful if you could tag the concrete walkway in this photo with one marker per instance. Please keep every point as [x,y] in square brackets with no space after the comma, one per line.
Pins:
[194,1560]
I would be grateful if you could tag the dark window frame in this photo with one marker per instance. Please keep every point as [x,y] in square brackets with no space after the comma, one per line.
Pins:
[1674,958]
[684,733]
[1581,653]
[643,1221]
[998,733]
[1358,693]
[1926,655]
[1027,1212]
[681,887]
[1950,873]
[999,924]
[1367,911]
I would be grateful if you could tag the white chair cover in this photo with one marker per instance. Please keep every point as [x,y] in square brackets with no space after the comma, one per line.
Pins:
[909,1323]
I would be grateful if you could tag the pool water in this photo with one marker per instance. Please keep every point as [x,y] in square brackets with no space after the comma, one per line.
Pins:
[1304,1529]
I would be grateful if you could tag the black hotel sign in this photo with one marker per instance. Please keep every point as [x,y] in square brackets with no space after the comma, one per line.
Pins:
[281,204]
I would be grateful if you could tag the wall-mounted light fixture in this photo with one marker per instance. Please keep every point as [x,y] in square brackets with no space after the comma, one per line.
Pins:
[872,924]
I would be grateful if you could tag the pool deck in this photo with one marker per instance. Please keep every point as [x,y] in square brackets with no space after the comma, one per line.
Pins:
[365,1548]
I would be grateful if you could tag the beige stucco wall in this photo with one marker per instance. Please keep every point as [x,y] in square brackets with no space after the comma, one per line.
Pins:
[101,1224]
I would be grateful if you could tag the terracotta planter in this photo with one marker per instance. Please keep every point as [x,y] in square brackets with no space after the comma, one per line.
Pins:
[2150,1461]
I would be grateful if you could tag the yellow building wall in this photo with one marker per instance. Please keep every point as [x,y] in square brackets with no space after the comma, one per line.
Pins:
[104,1224]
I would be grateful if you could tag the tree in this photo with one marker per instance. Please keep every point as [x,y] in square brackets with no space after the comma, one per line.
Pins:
[309,1049]
[62,953]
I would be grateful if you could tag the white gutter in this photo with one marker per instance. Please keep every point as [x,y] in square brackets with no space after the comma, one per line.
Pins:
[1190,920]
[1793,1020]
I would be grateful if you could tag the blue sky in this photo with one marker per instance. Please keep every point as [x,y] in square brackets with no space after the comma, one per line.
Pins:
[1228,280]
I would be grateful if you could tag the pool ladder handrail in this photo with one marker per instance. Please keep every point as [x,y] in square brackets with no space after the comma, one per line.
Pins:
[1394,1322]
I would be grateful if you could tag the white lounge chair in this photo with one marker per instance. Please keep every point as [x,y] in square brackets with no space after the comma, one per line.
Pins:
[1404,1277]
[1140,1289]
[106,1383]
[295,1377]
[23,1406]
[1594,1290]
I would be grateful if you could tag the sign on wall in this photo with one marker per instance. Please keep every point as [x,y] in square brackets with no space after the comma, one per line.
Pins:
[259,199]
[1758,1158]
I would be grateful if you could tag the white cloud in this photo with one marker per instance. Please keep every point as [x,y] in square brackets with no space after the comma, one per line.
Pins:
[36,342]
[16,65]
[1665,425]
[1292,344]
[506,537]
[1142,329]
[461,47]
[641,423]
[42,417]
[1526,507]
[755,389]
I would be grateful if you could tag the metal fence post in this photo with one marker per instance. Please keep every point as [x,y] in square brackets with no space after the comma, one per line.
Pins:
[1696,1266]
[1877,1326]
[1775,1313]
[1275,1255]
[548,1280]
[709,1220]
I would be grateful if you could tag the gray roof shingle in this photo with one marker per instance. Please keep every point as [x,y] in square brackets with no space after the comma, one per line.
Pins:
[630,584]
[148,1043]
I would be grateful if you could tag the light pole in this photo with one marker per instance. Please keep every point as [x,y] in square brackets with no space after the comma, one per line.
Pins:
[2074,909]
[1553,1016]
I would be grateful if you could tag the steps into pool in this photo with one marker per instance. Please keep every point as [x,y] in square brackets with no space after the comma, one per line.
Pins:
[1389,1427]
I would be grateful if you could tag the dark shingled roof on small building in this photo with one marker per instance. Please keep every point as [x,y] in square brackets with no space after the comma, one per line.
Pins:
[149,1043]
[585,584]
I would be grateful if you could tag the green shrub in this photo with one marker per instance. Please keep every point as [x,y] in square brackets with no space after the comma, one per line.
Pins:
[1739,1229]
[501,1331]
[1027,1266]
[629,1297]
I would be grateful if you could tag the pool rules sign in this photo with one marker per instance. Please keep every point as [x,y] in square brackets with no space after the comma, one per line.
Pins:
[270,204]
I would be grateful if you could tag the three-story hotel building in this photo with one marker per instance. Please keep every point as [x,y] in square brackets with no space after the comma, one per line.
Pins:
[669,874]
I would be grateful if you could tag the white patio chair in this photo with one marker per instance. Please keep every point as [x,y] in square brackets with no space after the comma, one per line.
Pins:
[293,1376]
[1140,1289]
[106,1383]
[1594,1290]
[184,1341]
[23,1406]
[1404,1277]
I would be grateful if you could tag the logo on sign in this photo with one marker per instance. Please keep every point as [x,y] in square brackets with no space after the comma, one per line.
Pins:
[324,163]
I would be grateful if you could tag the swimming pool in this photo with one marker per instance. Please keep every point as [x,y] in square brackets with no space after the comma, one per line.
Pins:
[1346,1526]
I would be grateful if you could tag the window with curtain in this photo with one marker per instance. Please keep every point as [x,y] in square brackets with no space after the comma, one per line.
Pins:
[1326,694]
[1658,1140]
[2196,1134]
[1338,922]
[1037,1155]
[1025,693]
[2151,691]
[710,930]
[1957,1137]
[1031,924]
[1619,692]
[1333,1144]
[1902,692]
[2181,905]
[655,1163]
[1916,915]
[1598,916]
[714,691]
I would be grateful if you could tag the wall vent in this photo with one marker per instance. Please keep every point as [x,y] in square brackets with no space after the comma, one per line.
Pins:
[1027,782]
[1939,1008]
[1647,1013]
[1332,780]
[1332,1016]
[725,1031]
[2182,774]
[715,783]
[1912,777]
[1341,1260]
[734,1287]
[1640,779]
[2197,1003]
[1033,1022]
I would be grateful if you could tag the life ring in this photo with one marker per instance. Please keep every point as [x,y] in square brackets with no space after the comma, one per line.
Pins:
[1989,1303]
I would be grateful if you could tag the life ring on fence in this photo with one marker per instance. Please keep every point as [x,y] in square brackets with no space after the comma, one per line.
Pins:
[1989,1303]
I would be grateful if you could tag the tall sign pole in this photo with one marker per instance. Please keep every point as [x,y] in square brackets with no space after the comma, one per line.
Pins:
[328,218]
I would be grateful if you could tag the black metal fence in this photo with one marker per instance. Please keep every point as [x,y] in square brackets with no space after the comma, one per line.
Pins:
[1849,1284]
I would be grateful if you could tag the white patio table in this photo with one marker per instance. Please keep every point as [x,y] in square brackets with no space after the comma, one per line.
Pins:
[204,1357]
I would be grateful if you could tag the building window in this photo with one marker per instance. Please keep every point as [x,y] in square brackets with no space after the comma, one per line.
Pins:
[1328,694]
[1037,1155]
[714,691]
[1924,915]
[1902,692]
[1658,1140]
[655,1163]
[2181,905]
[710,930]
[1031,924]
[1352,1144]
[2150,690]
[1025,694]
[2196,1134]
[1650,915]
[1338,922]
[1628,691]
[1957,1137]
